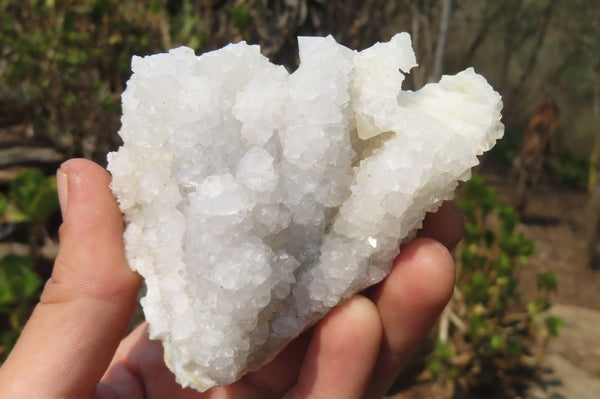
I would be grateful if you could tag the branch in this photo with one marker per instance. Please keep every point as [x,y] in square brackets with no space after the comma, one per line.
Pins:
[533,57]
[485,28]
[440,49]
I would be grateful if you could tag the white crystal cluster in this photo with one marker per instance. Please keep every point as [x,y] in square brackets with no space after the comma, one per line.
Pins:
[256,200]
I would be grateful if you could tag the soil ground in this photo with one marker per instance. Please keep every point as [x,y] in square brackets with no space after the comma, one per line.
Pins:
[554,220]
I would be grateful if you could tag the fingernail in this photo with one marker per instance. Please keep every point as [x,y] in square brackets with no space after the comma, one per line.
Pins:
[62,186]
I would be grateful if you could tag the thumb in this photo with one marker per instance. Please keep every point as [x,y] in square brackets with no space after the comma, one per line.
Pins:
[86,305]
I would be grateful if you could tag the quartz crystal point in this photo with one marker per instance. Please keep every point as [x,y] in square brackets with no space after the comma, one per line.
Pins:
[256,200]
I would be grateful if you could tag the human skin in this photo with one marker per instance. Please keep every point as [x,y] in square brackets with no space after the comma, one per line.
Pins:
[72,345]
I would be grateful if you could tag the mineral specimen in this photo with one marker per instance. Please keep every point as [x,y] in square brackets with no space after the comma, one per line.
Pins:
[256,200]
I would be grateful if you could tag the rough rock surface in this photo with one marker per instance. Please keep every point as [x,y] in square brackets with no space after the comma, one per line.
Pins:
[256,200]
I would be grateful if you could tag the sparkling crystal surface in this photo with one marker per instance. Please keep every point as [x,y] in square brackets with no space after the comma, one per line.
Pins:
[256,200]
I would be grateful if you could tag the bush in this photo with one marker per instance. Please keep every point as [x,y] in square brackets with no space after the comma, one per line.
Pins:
[19,286]
[488,336]
[571,170]
[31,200]
[64,64]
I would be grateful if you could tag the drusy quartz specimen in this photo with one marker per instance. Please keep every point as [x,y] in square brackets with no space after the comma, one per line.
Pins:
[256,200]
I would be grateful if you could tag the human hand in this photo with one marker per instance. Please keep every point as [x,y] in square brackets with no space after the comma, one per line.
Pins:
[71,347]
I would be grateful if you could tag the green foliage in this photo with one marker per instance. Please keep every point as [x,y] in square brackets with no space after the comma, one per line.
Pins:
[478,197]
[488,330]
[441,363]
[3,204]
[554,324]
[570,169]
[547,281]
[19,288]
[240,16]
[64,64]
[64,60]
[35,195]
[505,151]
[18,282]
[32,199]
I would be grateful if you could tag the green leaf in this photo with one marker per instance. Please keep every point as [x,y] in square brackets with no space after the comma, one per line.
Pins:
[76,57]
[472,233]
[508,217]
[240,16]
[18,282]
[497,342]
[537,306]
[35,195]
[466,208]
[69,99]
[443,351]
[515,244]
[509,295]
[155,6]
[526,247]
[477,327]
[513,348]
[3,204]
[8,338]
[477,290]
[504,266]
[554,324]
[435,367]
[69,22]
[197,41]
[15,215]
[453,373]
[110,105]
[477,192]
[470,260]
[547,281]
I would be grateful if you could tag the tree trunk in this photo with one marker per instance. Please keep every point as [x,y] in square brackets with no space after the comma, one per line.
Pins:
[490,19]
[593,206]
[416,75]
[593,167]
[440,49]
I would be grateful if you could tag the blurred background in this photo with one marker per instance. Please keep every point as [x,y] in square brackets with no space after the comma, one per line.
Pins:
[524,318]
